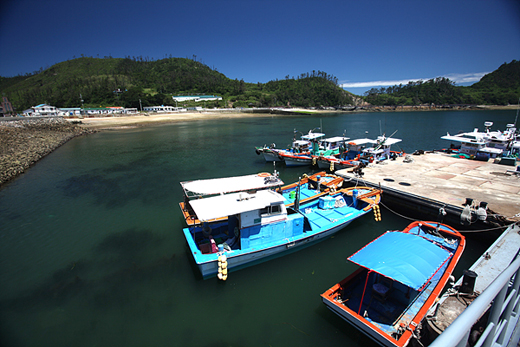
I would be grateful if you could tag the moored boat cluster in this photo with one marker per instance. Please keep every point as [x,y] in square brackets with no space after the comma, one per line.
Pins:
[401,273]
[333,153]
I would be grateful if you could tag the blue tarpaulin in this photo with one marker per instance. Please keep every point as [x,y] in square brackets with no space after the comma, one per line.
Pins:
[403,257]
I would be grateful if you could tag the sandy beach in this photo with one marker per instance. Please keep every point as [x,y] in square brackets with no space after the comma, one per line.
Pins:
[138,120]
[156,119]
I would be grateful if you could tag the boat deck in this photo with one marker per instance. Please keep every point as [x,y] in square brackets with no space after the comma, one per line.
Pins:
[399,308]
[384,314]
[440,177]
[321,218]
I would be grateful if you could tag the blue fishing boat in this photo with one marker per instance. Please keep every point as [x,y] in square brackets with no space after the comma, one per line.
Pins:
[310,187]
[307,187]
[236,230]
[319,147]
[298,146]
[292,157]
[349,157]
[401,275]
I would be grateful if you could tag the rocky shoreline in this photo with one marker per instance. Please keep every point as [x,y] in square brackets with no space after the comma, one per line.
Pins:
[24,142]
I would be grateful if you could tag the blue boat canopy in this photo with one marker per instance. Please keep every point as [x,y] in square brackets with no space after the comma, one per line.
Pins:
[403,257]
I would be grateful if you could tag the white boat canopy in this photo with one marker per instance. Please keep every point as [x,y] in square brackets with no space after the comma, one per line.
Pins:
[336,139]
[389,141]
[458,138]
[372,150]
[312,136]
[229,184]
[232,204]
[359,142]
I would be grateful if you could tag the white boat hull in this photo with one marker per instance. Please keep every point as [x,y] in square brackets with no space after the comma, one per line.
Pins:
[271,156]
[240,260]
[289,161]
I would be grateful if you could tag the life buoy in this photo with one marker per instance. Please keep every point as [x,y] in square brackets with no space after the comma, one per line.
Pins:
[222,267]
[264,174]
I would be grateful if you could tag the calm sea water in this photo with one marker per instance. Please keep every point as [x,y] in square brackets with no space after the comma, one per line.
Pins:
[92,254]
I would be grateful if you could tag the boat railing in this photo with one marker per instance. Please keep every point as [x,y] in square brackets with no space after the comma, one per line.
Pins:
[504,299]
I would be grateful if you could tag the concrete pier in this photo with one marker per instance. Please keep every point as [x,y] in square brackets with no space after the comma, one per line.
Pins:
[433,183]
[485,271]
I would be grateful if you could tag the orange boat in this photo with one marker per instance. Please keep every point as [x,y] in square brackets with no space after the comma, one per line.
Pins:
[401,275]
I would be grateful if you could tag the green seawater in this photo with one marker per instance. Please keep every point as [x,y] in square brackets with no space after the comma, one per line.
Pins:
[92,252]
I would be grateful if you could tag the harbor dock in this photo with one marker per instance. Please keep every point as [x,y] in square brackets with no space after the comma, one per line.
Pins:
[489,285]
[439,187]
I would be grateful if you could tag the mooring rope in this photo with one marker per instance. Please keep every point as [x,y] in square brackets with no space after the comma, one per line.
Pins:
[465,231]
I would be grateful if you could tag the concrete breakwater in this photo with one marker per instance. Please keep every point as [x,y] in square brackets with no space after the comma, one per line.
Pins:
[24,142]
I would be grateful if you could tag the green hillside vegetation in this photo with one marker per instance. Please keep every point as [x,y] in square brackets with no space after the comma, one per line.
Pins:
[134,81]
[501,87]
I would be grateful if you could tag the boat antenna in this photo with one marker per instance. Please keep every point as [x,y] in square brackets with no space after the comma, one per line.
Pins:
[384,140]
[297,200]
[517,109]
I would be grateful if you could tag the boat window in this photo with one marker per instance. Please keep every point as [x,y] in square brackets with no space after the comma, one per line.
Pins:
[273,209]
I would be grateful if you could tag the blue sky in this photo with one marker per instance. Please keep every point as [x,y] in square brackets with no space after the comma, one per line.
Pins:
[364,44]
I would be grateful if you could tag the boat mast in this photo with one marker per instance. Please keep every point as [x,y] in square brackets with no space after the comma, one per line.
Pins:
[297,200]
[517,109]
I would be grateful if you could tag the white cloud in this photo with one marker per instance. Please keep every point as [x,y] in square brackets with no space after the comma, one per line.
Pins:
[457,78]
[466,78]
[376,83]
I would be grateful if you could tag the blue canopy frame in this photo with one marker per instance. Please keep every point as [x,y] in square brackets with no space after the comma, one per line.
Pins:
[407,258]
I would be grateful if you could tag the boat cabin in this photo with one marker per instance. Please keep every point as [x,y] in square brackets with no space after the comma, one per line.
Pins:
[381,149]
[255,219]
[219,186]
[314,140]
[473,146]
[300,146]
[333,143]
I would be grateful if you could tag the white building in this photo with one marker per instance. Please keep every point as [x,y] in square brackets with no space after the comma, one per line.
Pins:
[161,108]
[196,98]
[70,111]
[41,110]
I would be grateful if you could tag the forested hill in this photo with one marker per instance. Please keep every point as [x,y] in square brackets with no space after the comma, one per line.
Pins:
[129,81]
[500,87]
[506,79]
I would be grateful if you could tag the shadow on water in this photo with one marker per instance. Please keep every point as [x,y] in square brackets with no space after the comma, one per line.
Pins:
[106,191]
[114,187]
[125,246]
[119,253]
